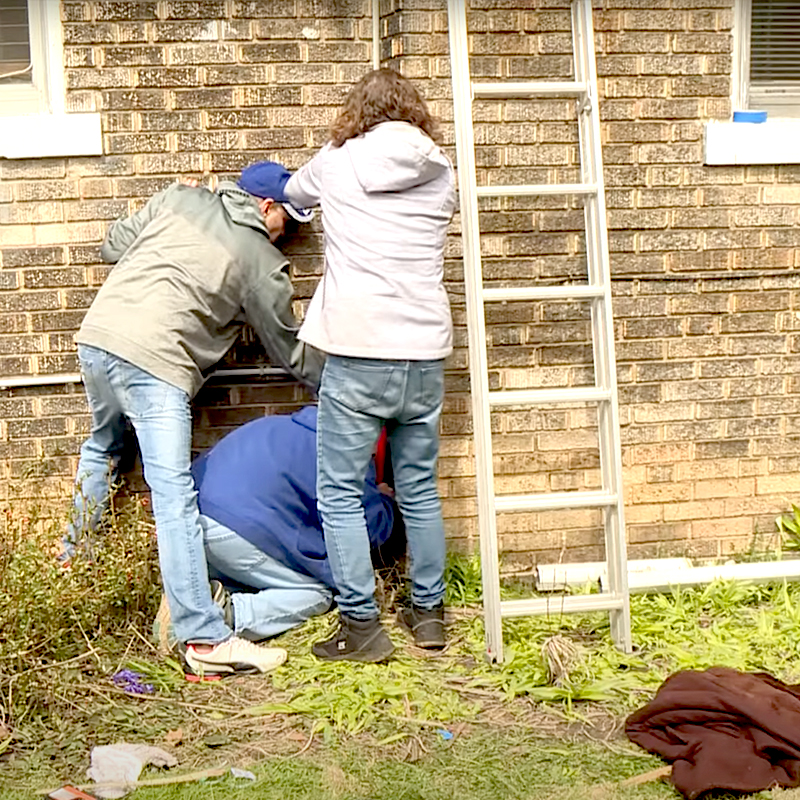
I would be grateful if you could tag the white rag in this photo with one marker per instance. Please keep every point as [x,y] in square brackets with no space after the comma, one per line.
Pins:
[122,764]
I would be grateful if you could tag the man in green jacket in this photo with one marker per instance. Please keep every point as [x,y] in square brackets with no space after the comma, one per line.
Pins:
[192,266]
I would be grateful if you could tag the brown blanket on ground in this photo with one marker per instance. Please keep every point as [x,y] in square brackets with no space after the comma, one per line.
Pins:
[723,729]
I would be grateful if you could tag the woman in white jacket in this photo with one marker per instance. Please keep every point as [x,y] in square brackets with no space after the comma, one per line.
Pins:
[382,315]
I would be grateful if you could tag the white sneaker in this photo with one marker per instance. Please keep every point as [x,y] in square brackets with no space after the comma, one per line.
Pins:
[233,656]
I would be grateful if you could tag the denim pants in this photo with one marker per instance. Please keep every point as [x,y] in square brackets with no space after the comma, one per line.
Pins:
[356,397]
[283,598]
[161,417]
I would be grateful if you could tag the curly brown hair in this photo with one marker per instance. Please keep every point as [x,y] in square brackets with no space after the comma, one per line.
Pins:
[380,96]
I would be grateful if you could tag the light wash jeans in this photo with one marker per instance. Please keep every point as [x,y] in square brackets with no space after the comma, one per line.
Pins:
[356,397]
[161,417]
[283,598]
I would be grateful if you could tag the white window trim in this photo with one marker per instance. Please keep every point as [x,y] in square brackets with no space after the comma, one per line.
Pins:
[740,62]
[775,141]
[44,129]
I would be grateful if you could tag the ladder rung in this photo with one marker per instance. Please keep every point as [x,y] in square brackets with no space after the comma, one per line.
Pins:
[510,89]
[561,292]
[553,501]
[537,189]
[529,397]
[568,604]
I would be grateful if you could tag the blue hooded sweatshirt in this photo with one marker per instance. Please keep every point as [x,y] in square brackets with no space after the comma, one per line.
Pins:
[260,481]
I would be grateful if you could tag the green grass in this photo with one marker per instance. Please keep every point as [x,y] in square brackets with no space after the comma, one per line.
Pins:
[477,769]
[373,728]
[512,765]
[745,627]
[485,765]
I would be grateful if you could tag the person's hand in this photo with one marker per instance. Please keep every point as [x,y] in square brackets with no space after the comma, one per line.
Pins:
[384,488]
[193,182]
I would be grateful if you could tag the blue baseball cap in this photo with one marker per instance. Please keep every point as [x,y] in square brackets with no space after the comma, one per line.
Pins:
[267,179]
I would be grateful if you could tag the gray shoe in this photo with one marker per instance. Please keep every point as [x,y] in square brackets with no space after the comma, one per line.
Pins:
[356,640]
[222,597]
[425,624]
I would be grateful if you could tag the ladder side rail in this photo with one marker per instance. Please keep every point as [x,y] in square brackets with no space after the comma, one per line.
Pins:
[376,33]
[476,325]
[592,229]
[602,321]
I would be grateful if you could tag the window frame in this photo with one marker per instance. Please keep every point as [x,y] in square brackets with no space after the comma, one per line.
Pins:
[738,143]
[45,93]
[741,87]
[33,118]
[741,53]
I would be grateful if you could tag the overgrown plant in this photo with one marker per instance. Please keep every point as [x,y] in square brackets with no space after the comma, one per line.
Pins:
[51,615]
[728,623]
[789,527]
[462,578]
[68,632]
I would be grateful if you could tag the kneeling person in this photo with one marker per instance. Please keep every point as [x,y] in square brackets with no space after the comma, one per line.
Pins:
[258,503]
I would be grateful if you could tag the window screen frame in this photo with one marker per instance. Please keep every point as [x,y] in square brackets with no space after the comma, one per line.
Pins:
[779,99]
[16,69]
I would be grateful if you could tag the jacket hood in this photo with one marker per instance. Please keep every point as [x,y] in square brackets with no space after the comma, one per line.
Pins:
[307,417]
[394,156]
[241,207]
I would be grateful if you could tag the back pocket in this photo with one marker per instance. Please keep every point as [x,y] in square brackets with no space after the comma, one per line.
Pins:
[360,386]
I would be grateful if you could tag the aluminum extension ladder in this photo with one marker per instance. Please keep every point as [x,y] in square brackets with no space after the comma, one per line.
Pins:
[596,291]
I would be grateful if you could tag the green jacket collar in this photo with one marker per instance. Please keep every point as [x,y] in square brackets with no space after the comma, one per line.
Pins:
[241,206]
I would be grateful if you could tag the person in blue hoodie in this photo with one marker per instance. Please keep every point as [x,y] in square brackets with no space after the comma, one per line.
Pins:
[263,534]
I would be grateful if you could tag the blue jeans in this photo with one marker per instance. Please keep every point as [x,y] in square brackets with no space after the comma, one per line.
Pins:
[161,417]
[356,397]
[283,598]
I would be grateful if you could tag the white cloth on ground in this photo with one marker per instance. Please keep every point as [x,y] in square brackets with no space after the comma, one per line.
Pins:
[122,764]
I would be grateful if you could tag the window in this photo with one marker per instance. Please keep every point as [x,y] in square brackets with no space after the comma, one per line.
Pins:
[33,122]
[767,56]
[31,71]
[765,77]
[15,47]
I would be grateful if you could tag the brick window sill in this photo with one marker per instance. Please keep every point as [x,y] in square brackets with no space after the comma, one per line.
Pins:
[51,136]
[772,142]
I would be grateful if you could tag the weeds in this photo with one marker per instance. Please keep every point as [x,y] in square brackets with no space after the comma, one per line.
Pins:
[746,627]
[788,526]
[347,698]
[58,622]
[66,632]
[513,764]
[462,580]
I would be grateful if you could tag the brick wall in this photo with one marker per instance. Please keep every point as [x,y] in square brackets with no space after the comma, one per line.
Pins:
[703,258]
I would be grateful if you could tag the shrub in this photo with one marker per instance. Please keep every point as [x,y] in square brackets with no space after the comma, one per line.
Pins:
[50,614]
